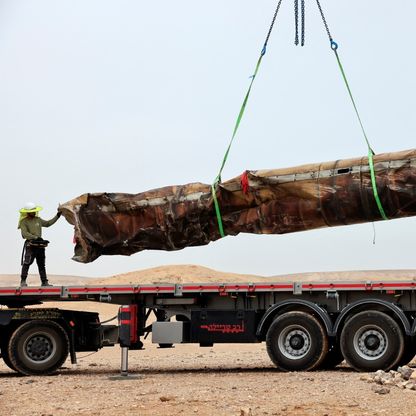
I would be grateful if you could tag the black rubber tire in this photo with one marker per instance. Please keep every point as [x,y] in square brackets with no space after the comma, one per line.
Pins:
[6,358]
[409,352]
[333,358]
[38,347]
[386,334]
[292,332]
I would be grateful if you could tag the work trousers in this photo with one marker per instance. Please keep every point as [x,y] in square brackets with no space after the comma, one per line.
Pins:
[29,255]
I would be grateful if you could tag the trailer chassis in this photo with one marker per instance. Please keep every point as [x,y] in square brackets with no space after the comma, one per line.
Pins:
[370,324]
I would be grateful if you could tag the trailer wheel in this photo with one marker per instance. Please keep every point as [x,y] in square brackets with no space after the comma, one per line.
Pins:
[38,347]
[409,352]
[6,358]
[371,341]
[296,341]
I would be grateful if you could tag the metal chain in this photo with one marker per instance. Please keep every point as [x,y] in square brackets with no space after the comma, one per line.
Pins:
[302,10]
[271,27]
[324,20]
[302,22]
[296,5]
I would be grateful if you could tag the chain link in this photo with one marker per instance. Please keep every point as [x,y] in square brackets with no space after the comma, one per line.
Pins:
[302,22]
[302,6]
[324,20]
[296,5]
[271,26]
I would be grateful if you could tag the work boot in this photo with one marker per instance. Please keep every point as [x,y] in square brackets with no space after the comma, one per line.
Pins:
[43,276]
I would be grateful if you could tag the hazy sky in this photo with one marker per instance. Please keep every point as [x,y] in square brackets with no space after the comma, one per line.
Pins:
[126,96]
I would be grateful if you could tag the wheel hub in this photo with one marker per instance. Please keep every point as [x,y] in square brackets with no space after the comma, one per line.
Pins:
[370,342]
[39,348]
[294,342]
[297,342]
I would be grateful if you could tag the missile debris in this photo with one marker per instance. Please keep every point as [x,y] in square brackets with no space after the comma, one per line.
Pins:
[261,202]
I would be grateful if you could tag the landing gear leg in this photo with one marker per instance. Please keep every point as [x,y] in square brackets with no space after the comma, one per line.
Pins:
[124,361]
[124,370]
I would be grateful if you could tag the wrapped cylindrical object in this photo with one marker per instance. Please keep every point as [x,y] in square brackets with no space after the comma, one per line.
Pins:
[261,202]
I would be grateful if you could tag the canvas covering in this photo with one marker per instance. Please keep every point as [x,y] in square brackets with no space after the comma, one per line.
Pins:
[276,201]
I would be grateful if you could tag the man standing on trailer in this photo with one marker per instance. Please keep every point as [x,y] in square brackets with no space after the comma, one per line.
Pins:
[31,225]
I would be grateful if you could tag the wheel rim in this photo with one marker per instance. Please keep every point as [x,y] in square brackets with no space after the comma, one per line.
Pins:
[370,342]
[294,342]
[39,347]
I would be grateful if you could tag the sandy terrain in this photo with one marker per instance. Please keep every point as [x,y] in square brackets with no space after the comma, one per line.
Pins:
[221,380]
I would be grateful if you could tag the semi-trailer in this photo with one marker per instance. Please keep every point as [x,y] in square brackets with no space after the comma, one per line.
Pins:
[305,325]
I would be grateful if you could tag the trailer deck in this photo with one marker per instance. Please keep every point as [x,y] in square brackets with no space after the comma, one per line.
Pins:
[91,292]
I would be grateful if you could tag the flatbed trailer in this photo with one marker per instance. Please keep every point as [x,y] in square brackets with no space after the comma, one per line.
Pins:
[306,325]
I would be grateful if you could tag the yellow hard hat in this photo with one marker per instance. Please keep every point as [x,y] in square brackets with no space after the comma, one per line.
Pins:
[30,207]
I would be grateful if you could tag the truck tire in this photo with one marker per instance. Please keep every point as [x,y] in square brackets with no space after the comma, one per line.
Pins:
[38,347]
[372,340]
[296,341]
[6,358]
[409,352]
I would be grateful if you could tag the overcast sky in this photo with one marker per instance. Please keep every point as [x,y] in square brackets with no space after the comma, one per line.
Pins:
[130,95]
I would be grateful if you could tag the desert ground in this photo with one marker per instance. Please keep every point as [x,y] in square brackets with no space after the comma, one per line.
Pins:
[226,379]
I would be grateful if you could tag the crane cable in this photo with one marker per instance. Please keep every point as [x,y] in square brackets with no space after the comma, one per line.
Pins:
[334,47]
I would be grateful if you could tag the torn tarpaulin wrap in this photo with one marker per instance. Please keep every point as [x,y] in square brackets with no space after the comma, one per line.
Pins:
[260,202]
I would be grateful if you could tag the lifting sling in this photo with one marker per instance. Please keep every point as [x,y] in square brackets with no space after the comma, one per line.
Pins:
[334,47]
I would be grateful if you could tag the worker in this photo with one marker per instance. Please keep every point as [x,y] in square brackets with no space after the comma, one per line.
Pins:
[31,225]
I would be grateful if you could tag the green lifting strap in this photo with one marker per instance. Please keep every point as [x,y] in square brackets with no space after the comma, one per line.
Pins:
[334,47]
[237,124]
[224,160]
[217,211]
[374,185]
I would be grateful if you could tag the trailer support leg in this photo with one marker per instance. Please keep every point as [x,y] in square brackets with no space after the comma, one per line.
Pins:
[124,371]
[127,318]
[124,361]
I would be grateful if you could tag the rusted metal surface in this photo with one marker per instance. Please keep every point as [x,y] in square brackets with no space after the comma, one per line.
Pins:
[260,202]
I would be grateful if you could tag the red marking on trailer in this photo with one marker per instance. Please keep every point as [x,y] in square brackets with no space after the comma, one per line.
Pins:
[157,288]
[333,286]
[276,286]
[403,285]
[101,289]
[205,287]
[224,328]
[237,287]
[11,291]
[52,290]
[369,286]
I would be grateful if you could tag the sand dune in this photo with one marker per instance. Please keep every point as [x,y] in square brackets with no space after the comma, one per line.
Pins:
[178,274]
[199,274]
[34,280]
